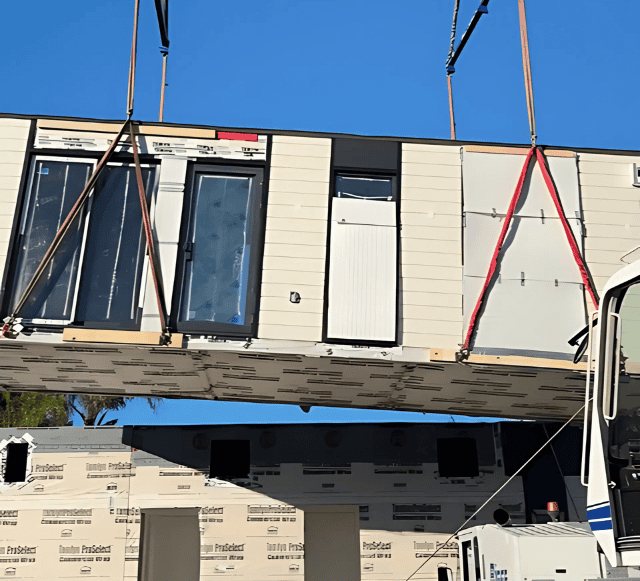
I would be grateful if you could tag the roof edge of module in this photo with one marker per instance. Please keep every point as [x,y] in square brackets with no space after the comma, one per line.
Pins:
[301,133]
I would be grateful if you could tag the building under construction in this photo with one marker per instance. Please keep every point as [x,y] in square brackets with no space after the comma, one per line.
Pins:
[310,269]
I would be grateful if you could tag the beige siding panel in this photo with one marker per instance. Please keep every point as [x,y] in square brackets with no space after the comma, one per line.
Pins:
[7,208]
[283,304]
[8,169]
[612,218]
[302,200]
[430,259]
[453,208]
[295,264]
[606,181]
[439,246]
[607,168]
[300,238]
[620,245]
[114,127]
[8,196]
[432,285]
[291,319]
[302,140]
[607,158]
[433,183]
[430,157]
[12,145]
[610,231]
[432,272]
[431,340]
[429,313]
[606,270]
[605,193]
[300,212]
[296,225]
[286,332]
[300,162]
[283,291]
[300,150]
[604,205]
[432,170]
[298,186]
[291,277]
[431,299]
[429,148]
[428,220]
[14,131]
[294,250]
[303,175]
[13,136]
[606,256]
[432,195]
[454,235]
[15,122]
[436,327]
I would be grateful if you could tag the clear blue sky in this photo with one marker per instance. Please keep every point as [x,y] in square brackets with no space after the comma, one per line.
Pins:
[349,66]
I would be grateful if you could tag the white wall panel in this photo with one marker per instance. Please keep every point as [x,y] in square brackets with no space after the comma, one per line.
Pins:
[362,272]
[490,181]
[539,314]
[539,249]
[536,316]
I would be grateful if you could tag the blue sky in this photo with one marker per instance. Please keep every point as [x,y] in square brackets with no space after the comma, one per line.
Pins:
[347,66]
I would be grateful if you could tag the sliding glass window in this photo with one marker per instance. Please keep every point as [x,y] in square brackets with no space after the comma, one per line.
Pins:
[95,275]
[219,255]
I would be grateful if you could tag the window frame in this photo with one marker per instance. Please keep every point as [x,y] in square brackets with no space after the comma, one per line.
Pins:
[21,225]
[21,231]
[209,328]
[368,173]
[151,200]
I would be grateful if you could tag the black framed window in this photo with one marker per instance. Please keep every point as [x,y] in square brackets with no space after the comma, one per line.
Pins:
[94,278]
[362,187]
[219,266]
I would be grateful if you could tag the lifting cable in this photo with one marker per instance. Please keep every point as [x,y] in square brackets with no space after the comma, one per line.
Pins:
[9,328]
[584,272]
[526,65]
[451,69]
[464,524]
[454,53]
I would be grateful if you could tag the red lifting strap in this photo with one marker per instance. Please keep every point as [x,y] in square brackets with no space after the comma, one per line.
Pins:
[584,273]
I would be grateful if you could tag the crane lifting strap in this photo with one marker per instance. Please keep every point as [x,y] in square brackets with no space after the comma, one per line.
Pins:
[548,180]
[154,264]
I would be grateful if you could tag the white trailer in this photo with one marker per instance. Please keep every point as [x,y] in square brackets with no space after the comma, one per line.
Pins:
[542,552]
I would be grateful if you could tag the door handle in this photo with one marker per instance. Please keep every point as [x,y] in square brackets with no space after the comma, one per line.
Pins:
[188,251]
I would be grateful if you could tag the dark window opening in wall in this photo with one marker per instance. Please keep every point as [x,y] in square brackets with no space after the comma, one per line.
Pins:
[94,277]
[15,469]
[230,459]
[218,291]
[364,188]
[457,458]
